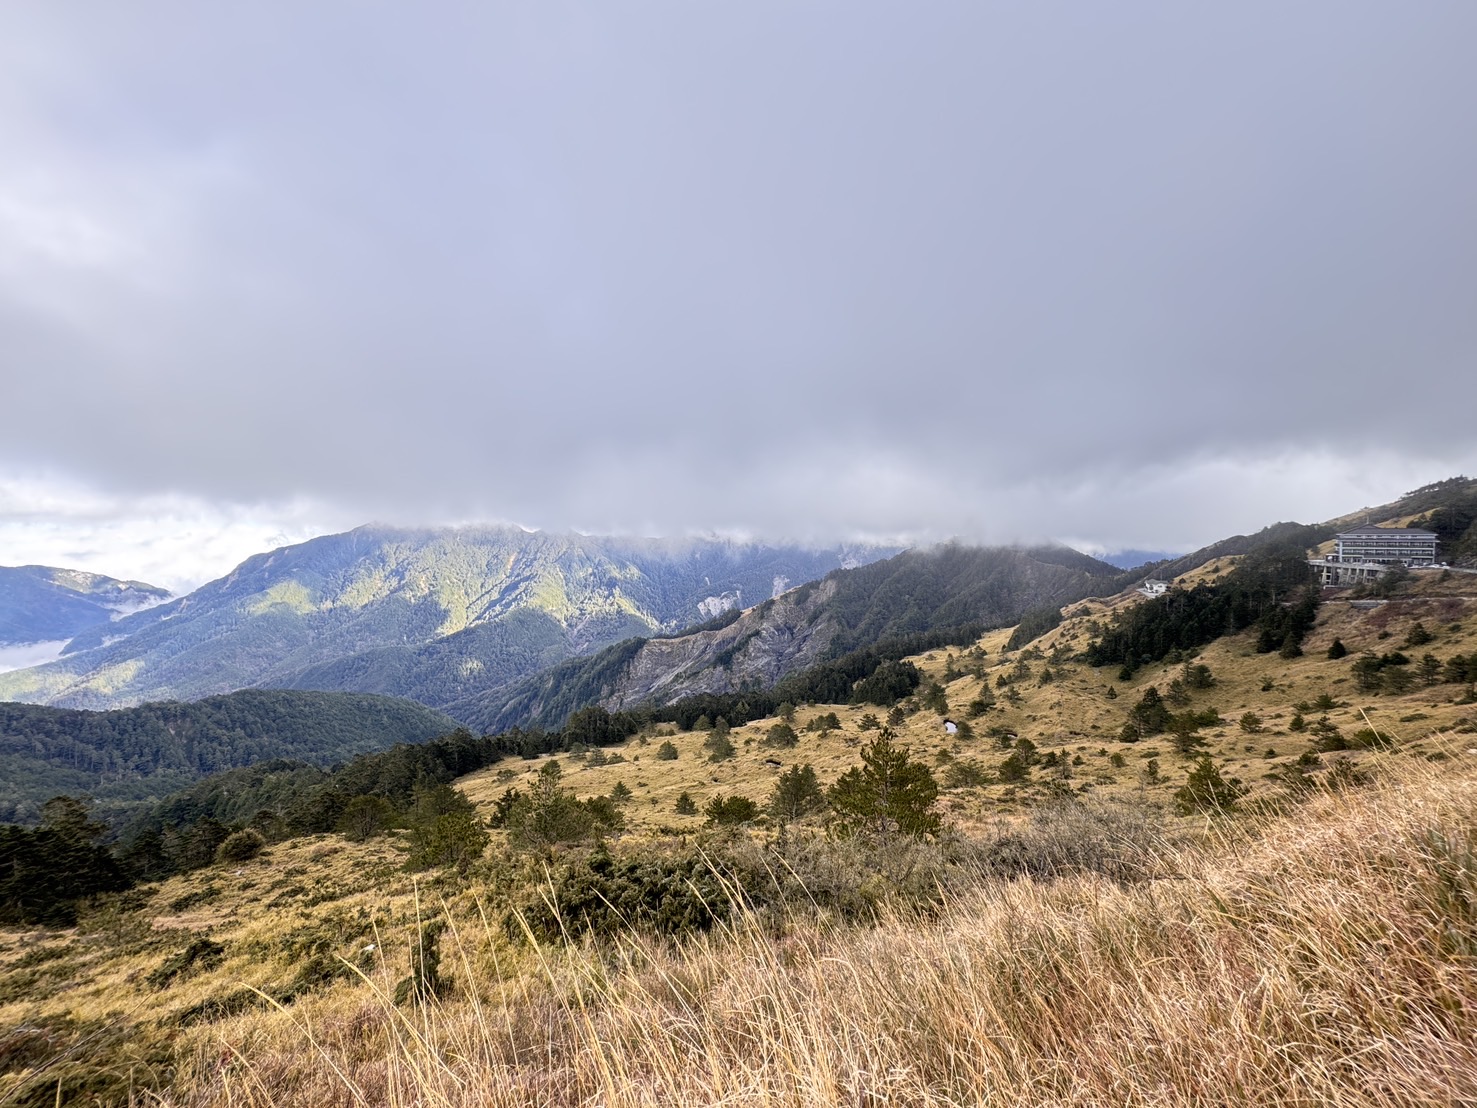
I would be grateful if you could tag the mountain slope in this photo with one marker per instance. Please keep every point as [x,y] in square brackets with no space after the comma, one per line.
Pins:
[305,614]
[1449,507]
[45,604]
[130,757]
[917,591]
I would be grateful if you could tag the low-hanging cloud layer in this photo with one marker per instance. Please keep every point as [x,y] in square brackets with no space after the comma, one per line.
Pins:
[1129,275]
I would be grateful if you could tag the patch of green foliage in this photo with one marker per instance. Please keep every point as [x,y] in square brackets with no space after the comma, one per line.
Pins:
[1273,590]
[797,793]
[1034,623]
[45,871]
[602,895]
[889,793]
[130,757]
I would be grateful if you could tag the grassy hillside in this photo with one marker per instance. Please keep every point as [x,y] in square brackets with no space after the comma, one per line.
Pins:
[1283,940]
[1449,507]
[128,758]
[351,612]
[1074,719]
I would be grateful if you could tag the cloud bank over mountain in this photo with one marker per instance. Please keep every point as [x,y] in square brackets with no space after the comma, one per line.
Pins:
[813,271]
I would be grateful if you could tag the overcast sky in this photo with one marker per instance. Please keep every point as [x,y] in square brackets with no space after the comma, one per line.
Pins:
[1126,275]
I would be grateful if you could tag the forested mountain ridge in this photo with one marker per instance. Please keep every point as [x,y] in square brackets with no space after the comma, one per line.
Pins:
[528,599]
[949,586]
[46,604]
[130,757]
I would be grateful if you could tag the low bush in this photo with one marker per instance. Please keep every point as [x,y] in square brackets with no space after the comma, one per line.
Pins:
[240,846]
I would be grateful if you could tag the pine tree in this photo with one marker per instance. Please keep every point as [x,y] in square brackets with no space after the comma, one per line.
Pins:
[889,792]
[797,793]
[1206,790]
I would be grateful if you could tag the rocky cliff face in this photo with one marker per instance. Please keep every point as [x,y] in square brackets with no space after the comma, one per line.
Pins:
[949,587]
[755,651]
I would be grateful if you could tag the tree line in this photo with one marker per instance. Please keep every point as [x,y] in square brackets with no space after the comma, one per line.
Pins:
[1273,590]
[130,757]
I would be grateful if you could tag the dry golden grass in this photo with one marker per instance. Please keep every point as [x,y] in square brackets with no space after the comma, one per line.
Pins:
[1327,960]
[1259,972]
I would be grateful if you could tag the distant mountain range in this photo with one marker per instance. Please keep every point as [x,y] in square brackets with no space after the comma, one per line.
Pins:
[497,626]
[918,591]
[494,628]
[434,615]
[1132,559]
[43,604]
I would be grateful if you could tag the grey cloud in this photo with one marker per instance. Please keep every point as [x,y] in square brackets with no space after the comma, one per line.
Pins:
[829,269]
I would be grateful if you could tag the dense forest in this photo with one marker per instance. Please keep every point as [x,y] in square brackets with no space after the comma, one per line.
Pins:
[1455,524]
[873,675]
[953,586]
[1273,589]
[128,757]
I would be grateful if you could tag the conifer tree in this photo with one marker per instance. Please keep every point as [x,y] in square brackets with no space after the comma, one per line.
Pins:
[888,793]
[1206,790]
[797,793]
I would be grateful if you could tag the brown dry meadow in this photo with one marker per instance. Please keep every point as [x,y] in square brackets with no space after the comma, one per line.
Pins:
[1325,958]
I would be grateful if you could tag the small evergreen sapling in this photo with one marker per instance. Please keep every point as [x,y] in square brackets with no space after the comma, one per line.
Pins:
[797,793]
[889,792]
[1207,790]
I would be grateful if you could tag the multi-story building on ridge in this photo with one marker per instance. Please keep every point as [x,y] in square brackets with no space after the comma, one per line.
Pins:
[1386,546]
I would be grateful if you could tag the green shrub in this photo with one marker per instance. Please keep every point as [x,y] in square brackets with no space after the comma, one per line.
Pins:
[888,792]
[781,735]
[201,954]
[719,746]
[730,811]
[797,793]
[194,898]
[445,829]
[823,723]
[240,846]
[425,980]
[364,817]
[1207,790]
[602,895]
[966,773]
